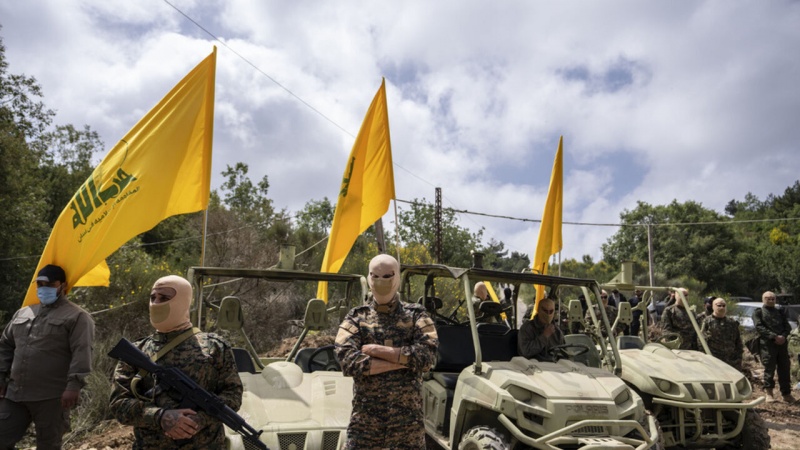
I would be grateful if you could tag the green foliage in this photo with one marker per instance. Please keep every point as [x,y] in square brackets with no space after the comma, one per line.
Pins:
[417,226]
[66,164]
[496,257]
[23,195]
[708,252]
[245,199]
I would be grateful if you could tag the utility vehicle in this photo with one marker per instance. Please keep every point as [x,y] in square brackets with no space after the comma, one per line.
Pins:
[301,401]
[482,395]
[699,401]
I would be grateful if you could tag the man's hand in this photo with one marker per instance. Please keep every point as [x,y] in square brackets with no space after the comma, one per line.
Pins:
[383,352]
[549,330]
[179,423]
[780,340]
[69,399]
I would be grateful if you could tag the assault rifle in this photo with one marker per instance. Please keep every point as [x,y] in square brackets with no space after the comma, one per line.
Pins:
[194,396]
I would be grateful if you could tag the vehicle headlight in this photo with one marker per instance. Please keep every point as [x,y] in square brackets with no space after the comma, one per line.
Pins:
[665,386]
[519,394]
[743,386]
[622,397]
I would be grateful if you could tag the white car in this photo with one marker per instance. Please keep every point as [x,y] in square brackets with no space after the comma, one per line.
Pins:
[743,312]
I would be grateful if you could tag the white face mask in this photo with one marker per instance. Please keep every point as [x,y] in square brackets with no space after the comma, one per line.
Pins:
[382,286]
[384,289]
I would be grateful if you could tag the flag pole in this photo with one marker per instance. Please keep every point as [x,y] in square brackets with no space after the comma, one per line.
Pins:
[203,241]
[396,232]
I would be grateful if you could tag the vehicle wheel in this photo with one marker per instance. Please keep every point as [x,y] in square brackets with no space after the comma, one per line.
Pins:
[754,435]
[483,438]
[659,444]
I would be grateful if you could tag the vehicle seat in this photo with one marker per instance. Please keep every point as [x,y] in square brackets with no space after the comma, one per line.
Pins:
[626,342]
[455,350]
[590,358]
[498,342]
[244,363]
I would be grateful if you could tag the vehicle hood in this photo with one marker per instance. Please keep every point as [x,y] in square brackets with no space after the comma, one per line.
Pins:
[684,375]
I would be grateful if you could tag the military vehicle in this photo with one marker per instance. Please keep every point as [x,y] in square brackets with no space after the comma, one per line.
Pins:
[482,395]
[301,401]
[699,401]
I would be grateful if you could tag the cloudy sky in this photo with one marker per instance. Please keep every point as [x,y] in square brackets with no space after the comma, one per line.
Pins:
[656,100]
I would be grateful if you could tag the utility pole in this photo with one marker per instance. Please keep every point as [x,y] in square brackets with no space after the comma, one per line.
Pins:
[650,253]
[438,226]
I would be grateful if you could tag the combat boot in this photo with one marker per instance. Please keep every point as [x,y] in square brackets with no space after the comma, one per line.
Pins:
[770,395]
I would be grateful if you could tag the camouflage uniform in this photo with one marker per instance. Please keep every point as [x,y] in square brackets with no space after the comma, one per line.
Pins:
[532,343]
[387,407]
[611,313]
[769,323]
[676,320]
[205,358]
[724,339]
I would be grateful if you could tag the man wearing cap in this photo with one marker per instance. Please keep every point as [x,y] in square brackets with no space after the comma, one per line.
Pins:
[45,357]
[386,345]
[722,335]
[773,328]
[156,416]
[708,309]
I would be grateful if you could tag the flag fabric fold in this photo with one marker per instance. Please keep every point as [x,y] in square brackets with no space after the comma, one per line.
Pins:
[549,242]
[367,187]
[161,168]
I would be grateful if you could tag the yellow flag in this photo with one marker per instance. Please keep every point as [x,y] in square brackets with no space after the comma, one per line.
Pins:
[549,242]
[367,187]
[161,168]
[493,296]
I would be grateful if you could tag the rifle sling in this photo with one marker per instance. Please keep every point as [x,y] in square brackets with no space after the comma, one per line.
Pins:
[164,350]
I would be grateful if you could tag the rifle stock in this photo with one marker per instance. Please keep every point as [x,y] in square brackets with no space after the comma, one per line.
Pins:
[194,396]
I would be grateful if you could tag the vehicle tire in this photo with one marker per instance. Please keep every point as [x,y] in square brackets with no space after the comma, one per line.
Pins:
[483,438]
[754,435]
[660,443]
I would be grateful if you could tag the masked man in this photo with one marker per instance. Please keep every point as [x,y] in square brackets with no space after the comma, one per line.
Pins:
[539,335]
[45,357]
[157,420]
[386,345]
[722,335]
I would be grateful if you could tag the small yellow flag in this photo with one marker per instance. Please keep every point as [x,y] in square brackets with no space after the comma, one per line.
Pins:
[367,187]
[161,168]
[549,242]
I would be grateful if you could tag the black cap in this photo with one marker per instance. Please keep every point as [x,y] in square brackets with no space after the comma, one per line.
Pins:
[709,299]
[50,273]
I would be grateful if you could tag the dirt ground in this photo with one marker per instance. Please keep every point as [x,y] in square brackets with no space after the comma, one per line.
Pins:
[783,419]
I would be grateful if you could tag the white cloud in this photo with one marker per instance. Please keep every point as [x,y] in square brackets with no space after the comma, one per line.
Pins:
[657,100]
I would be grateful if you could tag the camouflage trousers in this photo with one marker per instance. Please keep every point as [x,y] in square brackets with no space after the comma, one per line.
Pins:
[371,432]
[776,357]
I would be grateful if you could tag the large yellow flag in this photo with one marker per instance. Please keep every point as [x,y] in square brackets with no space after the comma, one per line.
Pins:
[367,187]
[161,168]
[550,232]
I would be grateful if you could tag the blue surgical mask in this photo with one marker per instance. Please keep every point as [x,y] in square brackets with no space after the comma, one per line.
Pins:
[47,295]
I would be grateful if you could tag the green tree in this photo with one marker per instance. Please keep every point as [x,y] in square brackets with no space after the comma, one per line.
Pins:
[688,239]
[497,257]
[23,195]
[773,247]
[417,225]
[66,163]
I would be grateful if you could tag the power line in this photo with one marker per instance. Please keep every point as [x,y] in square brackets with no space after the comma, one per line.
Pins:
[464,211]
